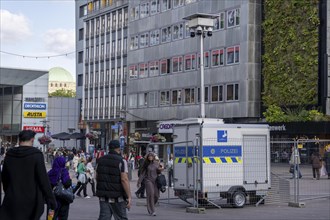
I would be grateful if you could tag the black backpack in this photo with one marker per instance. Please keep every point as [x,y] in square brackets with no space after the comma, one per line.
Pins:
[161,182]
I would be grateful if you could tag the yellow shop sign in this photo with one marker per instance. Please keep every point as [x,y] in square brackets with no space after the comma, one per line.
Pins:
[34,114]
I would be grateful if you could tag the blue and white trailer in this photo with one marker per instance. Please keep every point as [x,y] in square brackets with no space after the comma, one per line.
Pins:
[214,160]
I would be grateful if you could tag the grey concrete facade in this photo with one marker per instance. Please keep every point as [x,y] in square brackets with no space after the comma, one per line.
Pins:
[328,58]
[246,73]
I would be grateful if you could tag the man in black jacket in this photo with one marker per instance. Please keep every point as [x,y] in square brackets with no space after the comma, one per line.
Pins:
[113,187]
[25,181]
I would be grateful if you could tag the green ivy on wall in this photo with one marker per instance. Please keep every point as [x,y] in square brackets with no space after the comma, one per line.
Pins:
[290,60]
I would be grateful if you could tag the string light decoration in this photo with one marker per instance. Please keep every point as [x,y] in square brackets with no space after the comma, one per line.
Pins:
[37,57]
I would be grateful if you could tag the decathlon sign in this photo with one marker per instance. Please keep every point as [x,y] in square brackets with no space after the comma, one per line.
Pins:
[35,106]
[166,128]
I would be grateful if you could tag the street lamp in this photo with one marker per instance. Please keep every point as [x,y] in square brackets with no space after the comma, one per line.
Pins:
[201,25]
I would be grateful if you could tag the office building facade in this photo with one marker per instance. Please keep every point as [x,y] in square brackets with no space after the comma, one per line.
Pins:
[163,62]
[101,36]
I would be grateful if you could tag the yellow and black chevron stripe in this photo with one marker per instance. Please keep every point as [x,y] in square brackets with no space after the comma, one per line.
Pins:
[209,160]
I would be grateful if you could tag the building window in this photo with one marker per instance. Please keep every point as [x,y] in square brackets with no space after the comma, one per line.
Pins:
[81,33]
[153,100]
[134,13]
[80,56]
[206,60]
[120,18]
[154,7]
[113,48]
[143,70]
[114,21]
[51,85]
[107,77]
[164,98]
[233,18]
[132,101]
[55,84]
[97,26]
[144,40]
[187,30]
[232,92]
[108,22]
[189,96]
[177,63]
[143,100]
[189,1]
[154,37]
[125,45]
[176,97]
[233,55]
[206,94]
[133,72]
[189,62]
[118,47]
[177,3]
[134,44]
[177,31]
[217,93]
[144,10]
[112,77]
[165,66]
[217,57]
[154,68]
[219,22]
[166,5]
[125,17]
[103,25]
[166,34]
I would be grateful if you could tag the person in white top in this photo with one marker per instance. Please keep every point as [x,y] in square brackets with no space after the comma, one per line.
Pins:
[90,174]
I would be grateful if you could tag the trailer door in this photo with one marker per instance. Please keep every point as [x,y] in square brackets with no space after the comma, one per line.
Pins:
[255,159]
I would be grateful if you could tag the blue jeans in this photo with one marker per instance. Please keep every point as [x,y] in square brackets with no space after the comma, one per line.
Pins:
[117,210]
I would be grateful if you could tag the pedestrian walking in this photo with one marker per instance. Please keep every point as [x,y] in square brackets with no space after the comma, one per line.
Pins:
[316,165]
[90,174]
[25,181]
[56,174]
[82,179]
[140,193]
[327,160]
[295,161]
[170,171]
[112,186]
[149,173]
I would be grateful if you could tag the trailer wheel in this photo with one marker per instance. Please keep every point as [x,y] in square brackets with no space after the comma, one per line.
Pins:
[238,199]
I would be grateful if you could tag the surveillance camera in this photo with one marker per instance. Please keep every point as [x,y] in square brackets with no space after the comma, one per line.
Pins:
[209,31]
[199,30]
[192,33]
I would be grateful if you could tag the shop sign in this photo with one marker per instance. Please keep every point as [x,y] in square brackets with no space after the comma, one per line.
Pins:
[34,99]
[34,114]
[165,128]
[37,106]
[37,129]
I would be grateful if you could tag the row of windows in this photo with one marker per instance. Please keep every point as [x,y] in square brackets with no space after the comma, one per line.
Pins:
[179,31]
[55,85]
[153,7]
[111,21]
[95,6]
[187,62]
[106,78]
[186,96]
[99,103]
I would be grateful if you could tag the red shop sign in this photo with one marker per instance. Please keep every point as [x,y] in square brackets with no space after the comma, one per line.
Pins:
[37,129]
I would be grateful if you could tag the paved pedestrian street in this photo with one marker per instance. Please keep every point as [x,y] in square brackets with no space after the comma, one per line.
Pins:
[175,209]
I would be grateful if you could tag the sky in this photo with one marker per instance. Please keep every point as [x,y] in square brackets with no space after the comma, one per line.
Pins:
[37,28]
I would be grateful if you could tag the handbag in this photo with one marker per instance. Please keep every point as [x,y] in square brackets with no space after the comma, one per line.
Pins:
[61,192]
[291,170]
[161,182]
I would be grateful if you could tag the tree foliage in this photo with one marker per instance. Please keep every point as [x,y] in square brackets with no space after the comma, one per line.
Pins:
[290,60]
[63,93]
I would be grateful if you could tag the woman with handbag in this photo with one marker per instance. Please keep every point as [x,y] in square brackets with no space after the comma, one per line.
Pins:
[149,173]
[56,174]
[90,174]
[82,179]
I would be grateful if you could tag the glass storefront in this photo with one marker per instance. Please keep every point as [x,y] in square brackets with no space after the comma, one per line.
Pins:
[10,114]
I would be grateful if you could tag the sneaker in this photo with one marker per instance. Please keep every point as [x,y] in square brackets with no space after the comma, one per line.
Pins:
[87,197]
[154,214]
[137,195]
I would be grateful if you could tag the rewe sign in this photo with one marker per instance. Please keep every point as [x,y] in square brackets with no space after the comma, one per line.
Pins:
[37,129]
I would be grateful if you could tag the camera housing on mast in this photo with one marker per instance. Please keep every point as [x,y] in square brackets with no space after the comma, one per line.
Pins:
[200,23]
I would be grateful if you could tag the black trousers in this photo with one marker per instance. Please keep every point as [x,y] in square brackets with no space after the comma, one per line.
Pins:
[142,189]
[80,186]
